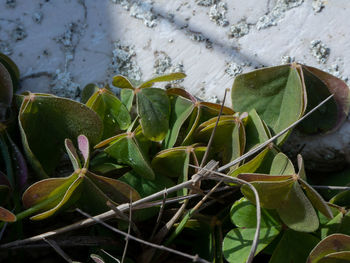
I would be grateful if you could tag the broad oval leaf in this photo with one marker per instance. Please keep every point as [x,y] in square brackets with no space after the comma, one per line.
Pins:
[126,150]
[111,110]
[297,212]
[256,131]
[122,82]
[6,215]
[331,244]
[12,69]
[6,91]
[341,93]
[181,109]
[163,78]
[153,107]
[276,93]
[293,247]
[46,121]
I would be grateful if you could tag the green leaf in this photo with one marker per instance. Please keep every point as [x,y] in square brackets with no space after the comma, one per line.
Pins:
[12,69]
[127,98]
[164,78]
[316,199]
[237,243]
[6,91]
[45,122]
[112,112]
[174,163]
[252,165]
[338,224]
[125,149]
[70,196]
[297,212]
[202,112]
[281,165]
[256,131]
[72,153]
[341,97]
[229,137]
[154,110]
[170,162]
[325,117]
[122,82]
[145,188]
[272,191]
[243,214]
[293,247]
[181,109]
[328,246]
[275,93]
[89,90]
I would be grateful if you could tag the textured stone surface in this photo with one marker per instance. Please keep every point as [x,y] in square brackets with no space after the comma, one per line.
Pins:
[60,46]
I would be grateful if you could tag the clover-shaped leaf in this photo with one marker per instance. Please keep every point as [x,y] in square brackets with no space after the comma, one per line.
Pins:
[46,121]
[256,130]
[153,104]
[175,162]
[319,85]
[111,110]
[333,249]
[276,93]
[293,247]
[201,112]
[237,243]
[181,109]
[285,194]
[229,138]
[126,149]
[83,188]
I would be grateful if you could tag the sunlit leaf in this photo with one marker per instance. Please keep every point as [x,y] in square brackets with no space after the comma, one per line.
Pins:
[45,122]
[181,109]
[127,97]
[111,110]
[281,165]
[122,82]
[163,78]
[127,151]
[275,93]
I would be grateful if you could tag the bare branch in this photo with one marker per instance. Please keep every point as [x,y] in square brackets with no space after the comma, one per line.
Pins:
[214,130]
[110,214]
[59,250]
[263,145]
[193,258]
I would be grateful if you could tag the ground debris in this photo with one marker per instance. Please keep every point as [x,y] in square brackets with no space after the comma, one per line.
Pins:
[318,5]
[319,50]
[277,13]
[62,85]
[124,63]
[233,69]
[239,30]
[217,14]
